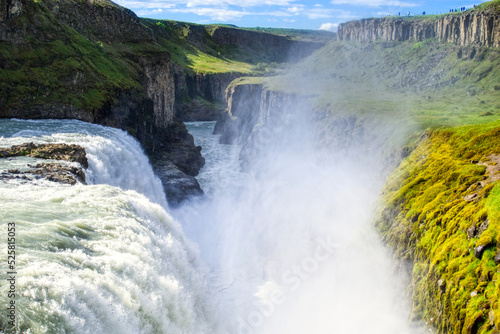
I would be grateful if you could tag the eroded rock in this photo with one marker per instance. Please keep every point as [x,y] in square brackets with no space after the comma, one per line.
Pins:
[72,153]
[50,171]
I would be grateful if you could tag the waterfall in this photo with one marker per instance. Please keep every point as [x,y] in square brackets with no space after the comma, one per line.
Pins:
[292,248]
[99,258]
[286,248]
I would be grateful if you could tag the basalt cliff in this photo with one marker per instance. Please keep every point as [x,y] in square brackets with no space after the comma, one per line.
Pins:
[474,27]
[98,62]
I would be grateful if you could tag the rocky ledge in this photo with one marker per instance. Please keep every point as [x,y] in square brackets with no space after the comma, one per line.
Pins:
[72,153]
[178,185]
[54,172]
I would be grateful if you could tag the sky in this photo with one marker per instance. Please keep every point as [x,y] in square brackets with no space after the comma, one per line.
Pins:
[299,14]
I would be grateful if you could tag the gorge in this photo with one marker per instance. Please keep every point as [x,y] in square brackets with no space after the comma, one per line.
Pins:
[384,136]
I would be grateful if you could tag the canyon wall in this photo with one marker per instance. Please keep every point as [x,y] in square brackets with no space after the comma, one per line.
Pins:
[481,28]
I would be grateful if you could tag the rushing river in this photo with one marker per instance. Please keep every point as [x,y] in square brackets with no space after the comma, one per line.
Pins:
[286,249]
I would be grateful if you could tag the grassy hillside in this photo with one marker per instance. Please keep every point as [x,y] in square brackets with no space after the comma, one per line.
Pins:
[442,213]
[42,68]
[299,34]
[437,84]
[66,53]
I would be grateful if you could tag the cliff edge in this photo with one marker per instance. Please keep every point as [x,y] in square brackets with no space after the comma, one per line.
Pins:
[479,27]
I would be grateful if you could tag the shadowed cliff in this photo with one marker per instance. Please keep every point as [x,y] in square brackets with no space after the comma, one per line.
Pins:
[98,62]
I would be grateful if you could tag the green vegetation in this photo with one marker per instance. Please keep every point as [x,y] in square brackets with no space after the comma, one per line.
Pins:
[191,47]
[299,34]
[55,65]
[429,84]
[491,5]
[441,211]
[67,70]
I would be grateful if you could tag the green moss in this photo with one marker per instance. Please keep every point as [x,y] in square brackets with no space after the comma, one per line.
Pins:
[433,213]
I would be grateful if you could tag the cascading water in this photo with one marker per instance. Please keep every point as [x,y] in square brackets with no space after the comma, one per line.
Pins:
[292,248]
[287,248]
[99,258]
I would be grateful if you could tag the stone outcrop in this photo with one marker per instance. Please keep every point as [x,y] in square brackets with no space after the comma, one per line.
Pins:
[479,28]
[103,20]
[178,185]
[160,88]
[277,48]
[205,93]
[50,171]
[72,153]
[242,114]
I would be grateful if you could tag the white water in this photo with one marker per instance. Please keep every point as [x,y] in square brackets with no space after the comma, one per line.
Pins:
[98,258]
[114,157]
[292,248]
[289,249]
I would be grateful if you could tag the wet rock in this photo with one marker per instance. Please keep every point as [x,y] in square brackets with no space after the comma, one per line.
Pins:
[497,258]
[479,250]
[442,286]
[58,173]
[72,153]
[178,185]
[52,172]
[179,148]
[471,232]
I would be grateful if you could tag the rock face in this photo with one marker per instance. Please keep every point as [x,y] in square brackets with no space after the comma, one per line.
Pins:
[178,185]
[205,93]
[50,171]
[481,28]
[73,153]
[243,112]
[277,47]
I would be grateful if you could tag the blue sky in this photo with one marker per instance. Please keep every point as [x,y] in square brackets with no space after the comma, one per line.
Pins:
[300,14]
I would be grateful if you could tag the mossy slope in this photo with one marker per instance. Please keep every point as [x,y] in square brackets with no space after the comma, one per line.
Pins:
[441,214]
[55,65]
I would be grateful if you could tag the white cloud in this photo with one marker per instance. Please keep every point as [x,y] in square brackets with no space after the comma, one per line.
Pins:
[227,10]
[152,4]
[217,14]
[329,26]
[146,5]
[375,3]
[295,9]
